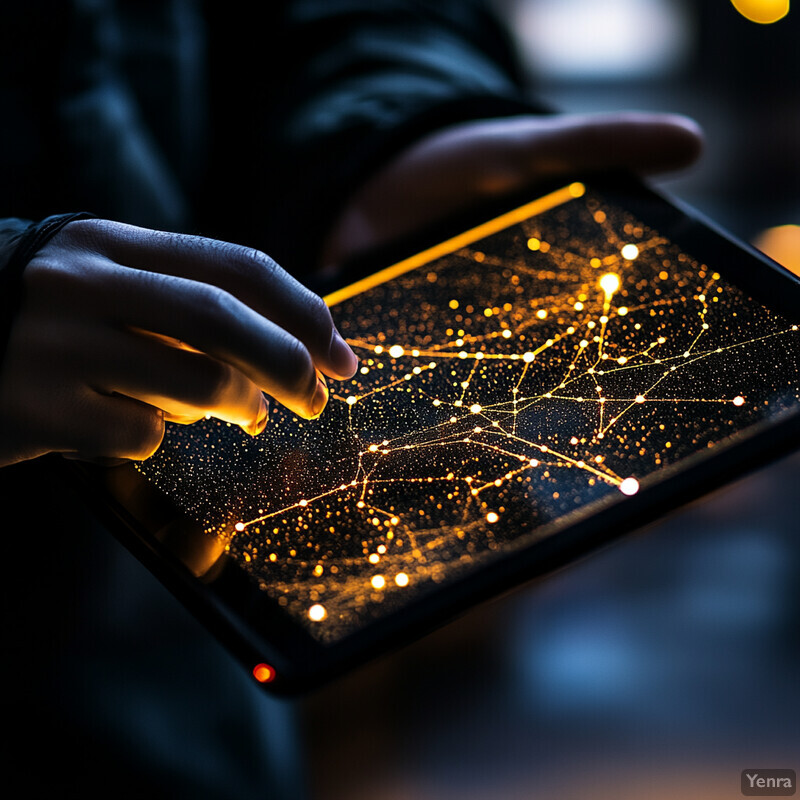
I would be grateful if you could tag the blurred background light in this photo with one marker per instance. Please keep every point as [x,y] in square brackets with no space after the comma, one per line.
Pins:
[762,11]
[586,40]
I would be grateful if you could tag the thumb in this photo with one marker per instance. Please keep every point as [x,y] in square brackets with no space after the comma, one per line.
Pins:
[636,141]
[449,169]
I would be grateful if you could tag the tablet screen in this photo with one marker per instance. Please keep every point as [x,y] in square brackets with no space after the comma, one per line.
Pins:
[512,379]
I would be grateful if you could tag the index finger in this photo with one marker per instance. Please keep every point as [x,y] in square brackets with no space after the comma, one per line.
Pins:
[248,274]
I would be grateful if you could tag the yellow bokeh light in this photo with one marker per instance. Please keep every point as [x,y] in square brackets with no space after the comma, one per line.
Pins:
[317,613]
[630,251]
[762,11]
[609,283]
[378,582]
[401,579]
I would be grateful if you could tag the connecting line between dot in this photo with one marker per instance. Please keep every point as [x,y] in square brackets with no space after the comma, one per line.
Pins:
[472,422]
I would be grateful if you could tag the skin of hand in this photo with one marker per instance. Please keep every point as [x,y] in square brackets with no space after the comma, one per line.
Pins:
[453,168]
[122,328]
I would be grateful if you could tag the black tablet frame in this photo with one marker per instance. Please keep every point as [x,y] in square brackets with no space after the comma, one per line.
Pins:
[257,631]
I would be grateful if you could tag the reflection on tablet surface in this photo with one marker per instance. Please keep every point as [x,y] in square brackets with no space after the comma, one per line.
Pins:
[521,375]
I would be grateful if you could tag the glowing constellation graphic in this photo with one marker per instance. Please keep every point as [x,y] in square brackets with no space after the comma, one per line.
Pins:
[503,388]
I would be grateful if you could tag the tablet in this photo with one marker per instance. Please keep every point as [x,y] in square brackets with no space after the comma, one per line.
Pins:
[530,386]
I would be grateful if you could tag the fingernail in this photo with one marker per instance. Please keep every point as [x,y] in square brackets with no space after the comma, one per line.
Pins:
[342,357]
[320,397]
[260,422]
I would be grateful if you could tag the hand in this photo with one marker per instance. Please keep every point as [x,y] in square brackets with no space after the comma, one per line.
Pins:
[122,328]
[452,168]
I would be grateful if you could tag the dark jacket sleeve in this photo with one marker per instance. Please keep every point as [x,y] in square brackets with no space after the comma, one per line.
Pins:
[347,84]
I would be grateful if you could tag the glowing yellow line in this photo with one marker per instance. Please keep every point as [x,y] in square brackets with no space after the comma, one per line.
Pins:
[539,206]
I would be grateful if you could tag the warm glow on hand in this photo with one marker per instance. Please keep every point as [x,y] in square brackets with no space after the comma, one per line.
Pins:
[762,11]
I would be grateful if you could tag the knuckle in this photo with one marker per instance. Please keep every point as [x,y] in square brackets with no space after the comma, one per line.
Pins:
[88,234]
[264,263]
[252,264]
[72,266]
[212,306]
[52,277]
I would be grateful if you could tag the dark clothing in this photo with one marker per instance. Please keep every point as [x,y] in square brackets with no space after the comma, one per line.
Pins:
[248,125]
[221,119]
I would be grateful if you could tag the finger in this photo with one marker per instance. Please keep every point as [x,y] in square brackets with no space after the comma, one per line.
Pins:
[185,384]
[447,170]
[206,318]
[637,141]
[247,274]
[113,428]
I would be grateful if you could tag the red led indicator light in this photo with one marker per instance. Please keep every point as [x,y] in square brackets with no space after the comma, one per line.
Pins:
[263,673]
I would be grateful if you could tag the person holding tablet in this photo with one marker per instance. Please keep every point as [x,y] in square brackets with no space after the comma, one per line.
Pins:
[310,132]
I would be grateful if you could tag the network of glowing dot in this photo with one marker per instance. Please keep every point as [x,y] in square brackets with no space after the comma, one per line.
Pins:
[536,374]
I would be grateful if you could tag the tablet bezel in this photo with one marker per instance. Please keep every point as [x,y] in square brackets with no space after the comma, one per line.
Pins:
[257,631]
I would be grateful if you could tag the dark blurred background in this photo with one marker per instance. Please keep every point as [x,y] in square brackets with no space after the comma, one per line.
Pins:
[661,667]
